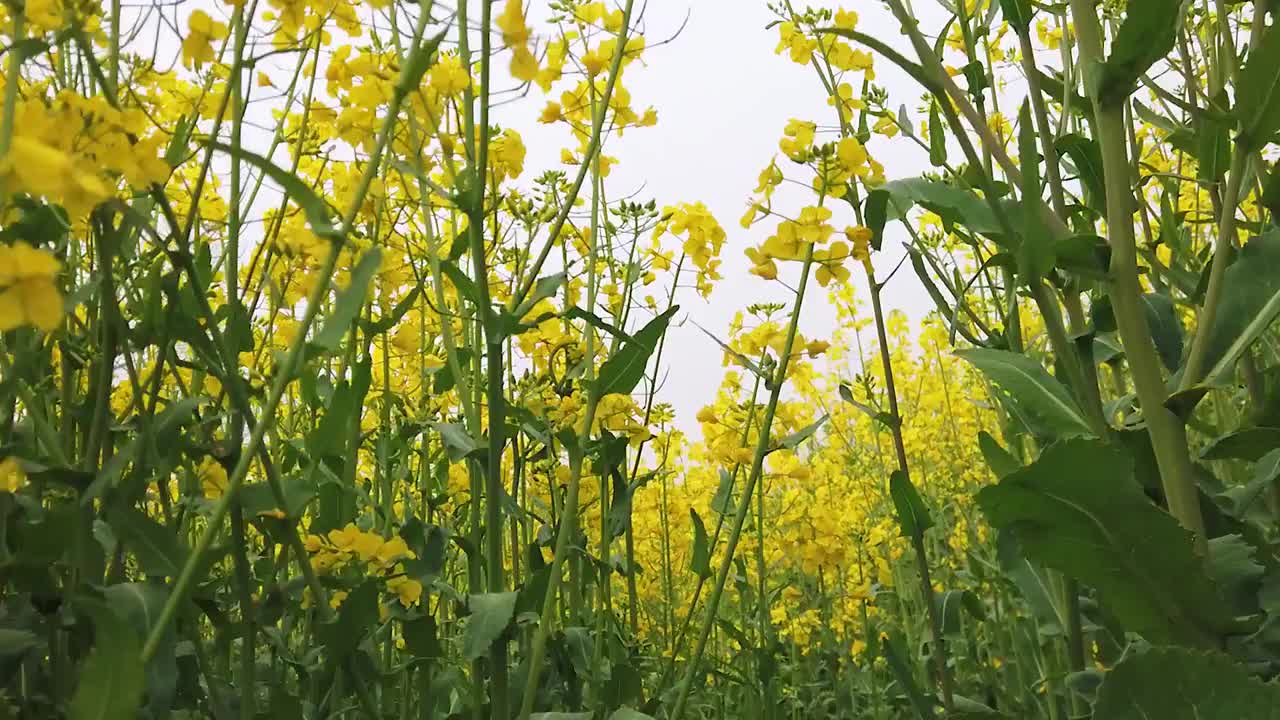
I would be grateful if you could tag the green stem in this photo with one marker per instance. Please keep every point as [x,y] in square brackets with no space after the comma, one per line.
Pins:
[1168,435]
[744,503]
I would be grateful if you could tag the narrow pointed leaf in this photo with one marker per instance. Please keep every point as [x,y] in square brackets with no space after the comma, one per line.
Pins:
[1030,392]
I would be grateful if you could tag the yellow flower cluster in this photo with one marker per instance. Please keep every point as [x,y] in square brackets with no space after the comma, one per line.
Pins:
[28,291]
[339,549]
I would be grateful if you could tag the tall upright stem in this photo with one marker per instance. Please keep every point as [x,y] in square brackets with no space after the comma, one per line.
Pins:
[1168,435]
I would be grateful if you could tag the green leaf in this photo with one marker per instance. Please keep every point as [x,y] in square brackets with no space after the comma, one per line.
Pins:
[1234,570]
[1032,583]
[937,137]
[421,638]
[1271,192]
[875,213]
[1018,13]
[1029,392]
[491,613]
[357,615]
[1213,144]
[1077,509]
[950,202]
[950,605]
[1147,34]
[1258,93]
[458,443]
[157,549]
[913,515]
[422,59]
[1248,444]
[562,716]
[1087,157]
[258,499]
[626,713]
[1035,256]
[1177,684]
[577,313]
[1166,328]
[140,605]
[1265,473]
[1249,305]
[1001,461]
[794,440]
[624,370]
[112,678]
[15,643]
[315,208]
[700,559]
[893,655]
[347,307]
[461,282]
[544,288]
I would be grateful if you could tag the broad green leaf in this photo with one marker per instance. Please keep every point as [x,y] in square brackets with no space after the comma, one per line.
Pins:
[140,605]
[937,137]
[458,443]
[1249,305]
[357,616]
[1258,93]
[15,643]
[893,655]
[875,213]
[1018,13]
[491,613]
[624,370]
[1213,145]
[1077,509]
[1035,257]
[1147,34]
[258,499]
[913,515]
[1248,444]
[1271,192]
[950,605]
[112,678]
[462,283]
[1234,570]
[421,638]
[157,549]
[347,307]
[700,558]
[1265,473]
[950,202]
[562,716]
[1030,393]
[1177,684]
[315,208]
[1001,461]
[1087,157]
[1032,582]
[1166,328]
[626,713]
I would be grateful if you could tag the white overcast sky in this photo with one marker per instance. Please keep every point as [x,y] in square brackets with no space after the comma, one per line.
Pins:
[723,98]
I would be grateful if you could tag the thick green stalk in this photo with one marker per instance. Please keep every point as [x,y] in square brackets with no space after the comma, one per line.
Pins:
[1168,435]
